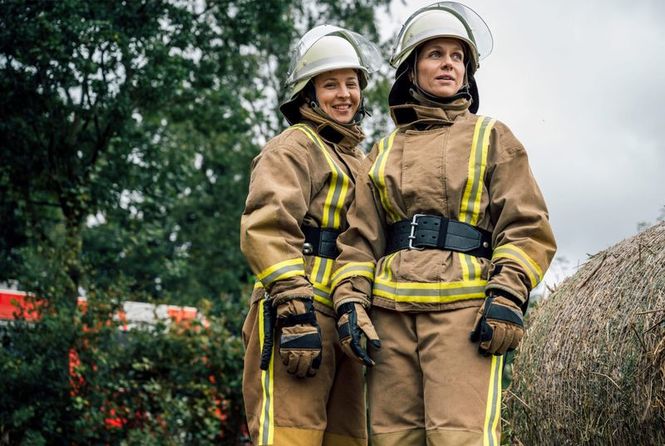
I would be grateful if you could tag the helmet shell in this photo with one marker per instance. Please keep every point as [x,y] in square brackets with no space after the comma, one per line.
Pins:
[443,19]
[326,48]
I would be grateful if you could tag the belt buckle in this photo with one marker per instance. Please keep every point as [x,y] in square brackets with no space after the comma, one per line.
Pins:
[412,234]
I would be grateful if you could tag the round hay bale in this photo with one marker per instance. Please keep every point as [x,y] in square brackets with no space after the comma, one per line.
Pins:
[591,368]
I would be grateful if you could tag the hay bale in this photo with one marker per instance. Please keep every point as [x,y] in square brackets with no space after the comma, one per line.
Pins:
[591,368]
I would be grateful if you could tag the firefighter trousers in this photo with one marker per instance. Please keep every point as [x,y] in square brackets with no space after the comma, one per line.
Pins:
[430,386]
[327,409]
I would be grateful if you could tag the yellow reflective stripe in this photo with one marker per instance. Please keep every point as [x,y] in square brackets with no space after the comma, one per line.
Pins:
[339,183]
[437,292]
[323,299]
[258,285]
[493,409]
[378,175]
[387,266]
[318,270]
[473,191]
[469,271]
[512,252]
[320,280]
[363,269]
[470,205]
[267,418]
[282,270]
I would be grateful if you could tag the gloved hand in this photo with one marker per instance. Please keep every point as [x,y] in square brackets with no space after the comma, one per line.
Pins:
[352,323]
[499,326]
[300,340]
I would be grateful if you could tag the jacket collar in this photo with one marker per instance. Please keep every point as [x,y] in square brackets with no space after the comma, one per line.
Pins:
[428,114]
[345,136]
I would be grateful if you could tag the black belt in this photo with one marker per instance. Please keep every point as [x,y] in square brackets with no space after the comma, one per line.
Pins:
[432,231]
[320,242]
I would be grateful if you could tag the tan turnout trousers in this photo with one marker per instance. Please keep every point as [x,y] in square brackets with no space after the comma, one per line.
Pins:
[282,410]
[430,386]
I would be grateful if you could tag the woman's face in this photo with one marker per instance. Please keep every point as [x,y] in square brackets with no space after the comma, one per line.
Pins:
[440,66]
[338,94]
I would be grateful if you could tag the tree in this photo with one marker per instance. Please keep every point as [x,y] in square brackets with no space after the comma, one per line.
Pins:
[126,131]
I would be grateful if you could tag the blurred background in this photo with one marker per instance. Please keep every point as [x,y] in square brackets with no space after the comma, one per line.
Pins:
[126,133]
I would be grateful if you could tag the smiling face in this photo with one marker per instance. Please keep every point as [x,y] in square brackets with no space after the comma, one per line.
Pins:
[440,66]
[338,94]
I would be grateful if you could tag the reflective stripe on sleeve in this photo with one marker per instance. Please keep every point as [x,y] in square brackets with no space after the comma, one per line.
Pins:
[530,267]
[363,269]
[282,270]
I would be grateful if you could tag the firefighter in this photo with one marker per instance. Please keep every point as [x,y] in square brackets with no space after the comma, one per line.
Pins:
[298,386]
[447,236]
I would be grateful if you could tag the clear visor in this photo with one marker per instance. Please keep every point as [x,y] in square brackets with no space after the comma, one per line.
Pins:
[368,53]
[477,28]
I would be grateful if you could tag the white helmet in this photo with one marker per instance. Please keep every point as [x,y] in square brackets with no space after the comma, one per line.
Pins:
[443,19]
[325,48]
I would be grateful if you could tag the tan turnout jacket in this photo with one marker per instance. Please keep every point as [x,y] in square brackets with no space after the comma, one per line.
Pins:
[305,175]
[451,163]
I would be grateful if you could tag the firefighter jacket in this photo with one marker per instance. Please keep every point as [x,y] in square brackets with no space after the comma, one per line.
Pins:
[303,176]
[444,161]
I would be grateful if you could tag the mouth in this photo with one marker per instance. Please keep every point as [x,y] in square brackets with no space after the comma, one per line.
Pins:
[342,108]
[445,77]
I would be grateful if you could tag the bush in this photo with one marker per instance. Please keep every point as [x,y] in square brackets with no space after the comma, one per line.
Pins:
[157,385]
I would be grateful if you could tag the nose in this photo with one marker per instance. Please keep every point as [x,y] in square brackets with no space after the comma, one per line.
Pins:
[343,91]
[446,62]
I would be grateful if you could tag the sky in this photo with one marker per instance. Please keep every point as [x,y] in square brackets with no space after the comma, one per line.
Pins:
[582,86]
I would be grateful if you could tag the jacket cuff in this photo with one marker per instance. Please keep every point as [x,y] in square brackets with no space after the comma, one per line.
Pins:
[354,289]
[509,294]
[297,287]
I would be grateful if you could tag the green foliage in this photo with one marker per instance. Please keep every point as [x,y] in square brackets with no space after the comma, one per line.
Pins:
[126,132]
[149,386]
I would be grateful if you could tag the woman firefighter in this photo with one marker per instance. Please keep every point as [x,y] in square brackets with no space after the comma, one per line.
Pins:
[447,236]
[298,386]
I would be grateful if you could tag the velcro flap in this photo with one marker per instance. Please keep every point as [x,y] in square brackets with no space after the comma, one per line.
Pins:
[310,341]
[501,313]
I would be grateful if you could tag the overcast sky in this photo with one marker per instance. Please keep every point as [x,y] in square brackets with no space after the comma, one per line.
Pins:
[582,85]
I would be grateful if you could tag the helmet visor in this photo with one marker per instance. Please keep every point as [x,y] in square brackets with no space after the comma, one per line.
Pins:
[477,30]
[368,53]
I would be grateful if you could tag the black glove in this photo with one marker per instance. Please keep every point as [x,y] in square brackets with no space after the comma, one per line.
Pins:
[300,337]
[499,326]
[352,323]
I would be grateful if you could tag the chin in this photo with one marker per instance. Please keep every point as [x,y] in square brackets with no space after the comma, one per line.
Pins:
[342,120]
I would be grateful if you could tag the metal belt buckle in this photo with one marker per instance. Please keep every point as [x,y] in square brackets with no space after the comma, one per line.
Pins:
[412,234]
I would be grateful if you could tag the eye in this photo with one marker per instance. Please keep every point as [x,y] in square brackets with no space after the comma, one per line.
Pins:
[434,54]
[352,85]
[458,56]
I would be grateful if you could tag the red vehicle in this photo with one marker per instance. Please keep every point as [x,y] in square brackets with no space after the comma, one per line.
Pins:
[133,315]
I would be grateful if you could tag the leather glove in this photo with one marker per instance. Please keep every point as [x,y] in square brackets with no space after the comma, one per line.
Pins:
[499,326]
[352,323]
[300,340]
